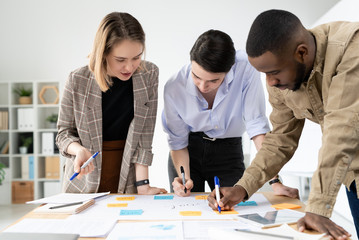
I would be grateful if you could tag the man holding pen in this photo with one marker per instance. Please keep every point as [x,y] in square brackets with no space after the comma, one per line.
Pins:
[311,74]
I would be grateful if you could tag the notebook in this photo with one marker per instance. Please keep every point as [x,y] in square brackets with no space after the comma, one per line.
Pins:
[64,210]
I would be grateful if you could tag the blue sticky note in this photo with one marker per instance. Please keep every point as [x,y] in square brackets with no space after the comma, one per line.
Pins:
[164,197]
[131,212]
[248,203]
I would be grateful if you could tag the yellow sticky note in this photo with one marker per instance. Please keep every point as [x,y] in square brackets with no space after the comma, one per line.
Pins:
[285,206]
[125,198]
[226,212]
[190,213]
[201,197]
[117,204]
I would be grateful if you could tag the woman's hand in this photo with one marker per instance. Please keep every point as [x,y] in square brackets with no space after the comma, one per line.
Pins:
[179,188]
[148,190]
[82,155]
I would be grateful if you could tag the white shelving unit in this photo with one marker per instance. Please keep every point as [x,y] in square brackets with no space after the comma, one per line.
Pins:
[13,158]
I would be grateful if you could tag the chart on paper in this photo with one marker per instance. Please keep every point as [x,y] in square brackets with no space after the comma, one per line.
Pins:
[169,207]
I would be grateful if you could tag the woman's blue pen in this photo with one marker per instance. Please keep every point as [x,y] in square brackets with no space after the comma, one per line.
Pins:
[84,165]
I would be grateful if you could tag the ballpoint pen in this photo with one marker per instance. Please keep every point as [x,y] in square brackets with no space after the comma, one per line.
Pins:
[183,179]
[84,165]
[216,183]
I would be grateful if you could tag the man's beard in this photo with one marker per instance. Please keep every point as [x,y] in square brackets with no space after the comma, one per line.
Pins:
[300,76]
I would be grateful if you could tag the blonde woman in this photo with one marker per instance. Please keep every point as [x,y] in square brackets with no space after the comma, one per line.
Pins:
[110,106]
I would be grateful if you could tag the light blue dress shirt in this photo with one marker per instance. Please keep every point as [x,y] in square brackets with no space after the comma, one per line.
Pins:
[239,106]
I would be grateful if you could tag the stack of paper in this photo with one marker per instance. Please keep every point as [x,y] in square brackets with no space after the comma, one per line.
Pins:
[68,198]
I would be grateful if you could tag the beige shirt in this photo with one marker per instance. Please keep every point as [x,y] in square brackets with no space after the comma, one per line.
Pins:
[330,98]
[80,120]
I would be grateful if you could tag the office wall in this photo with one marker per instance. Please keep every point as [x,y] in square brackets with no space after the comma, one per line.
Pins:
[45,40]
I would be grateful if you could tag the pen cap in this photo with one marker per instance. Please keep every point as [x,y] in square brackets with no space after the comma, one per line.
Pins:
[95,154]
[216,180]
[182,170]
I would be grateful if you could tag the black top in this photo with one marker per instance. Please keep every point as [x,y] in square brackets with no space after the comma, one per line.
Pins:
[117,110]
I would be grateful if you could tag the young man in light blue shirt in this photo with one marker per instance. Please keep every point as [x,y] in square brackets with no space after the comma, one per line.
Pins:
[208,105]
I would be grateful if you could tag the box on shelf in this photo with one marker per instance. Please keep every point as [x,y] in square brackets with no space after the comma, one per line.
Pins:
[52,167]
[22,191]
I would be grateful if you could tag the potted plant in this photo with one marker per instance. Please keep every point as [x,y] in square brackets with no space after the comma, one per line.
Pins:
[52,119]
[2,172]
[25,144]
[24,94]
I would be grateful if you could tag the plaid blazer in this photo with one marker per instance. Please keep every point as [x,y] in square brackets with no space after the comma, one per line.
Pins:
[80,120]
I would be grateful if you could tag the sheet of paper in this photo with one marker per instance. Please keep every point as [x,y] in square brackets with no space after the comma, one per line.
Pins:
[147,230]
[219,233]
[95,227]
[287,230]
[215,233]
[199,229]
[68,198]
[149,207]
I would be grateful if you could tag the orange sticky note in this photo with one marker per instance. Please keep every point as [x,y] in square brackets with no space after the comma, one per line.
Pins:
[226,212]
[190,213]
[201,197]
[125,198]
[117,204]
[285,206]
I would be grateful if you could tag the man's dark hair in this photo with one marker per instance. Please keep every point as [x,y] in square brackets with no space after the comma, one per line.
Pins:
[271,31]
[214,51]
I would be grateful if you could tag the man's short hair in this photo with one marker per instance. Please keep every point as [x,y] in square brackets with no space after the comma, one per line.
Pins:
[271,31]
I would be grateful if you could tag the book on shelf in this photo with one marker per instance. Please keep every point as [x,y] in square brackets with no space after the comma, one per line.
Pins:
[27,167]
[5,147]
[31,167]
[25,118]
[48,141]
[24,167]
[4,120]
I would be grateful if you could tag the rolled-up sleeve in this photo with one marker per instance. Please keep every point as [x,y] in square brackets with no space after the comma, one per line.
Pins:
[278,147]
[177,130]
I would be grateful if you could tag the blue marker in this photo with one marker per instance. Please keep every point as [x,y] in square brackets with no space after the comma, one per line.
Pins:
[216,183]
[84,165]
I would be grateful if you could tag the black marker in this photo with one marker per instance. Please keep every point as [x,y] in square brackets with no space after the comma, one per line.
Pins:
[183,180]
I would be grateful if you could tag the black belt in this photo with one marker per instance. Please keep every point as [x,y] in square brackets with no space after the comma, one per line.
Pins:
[206,137]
